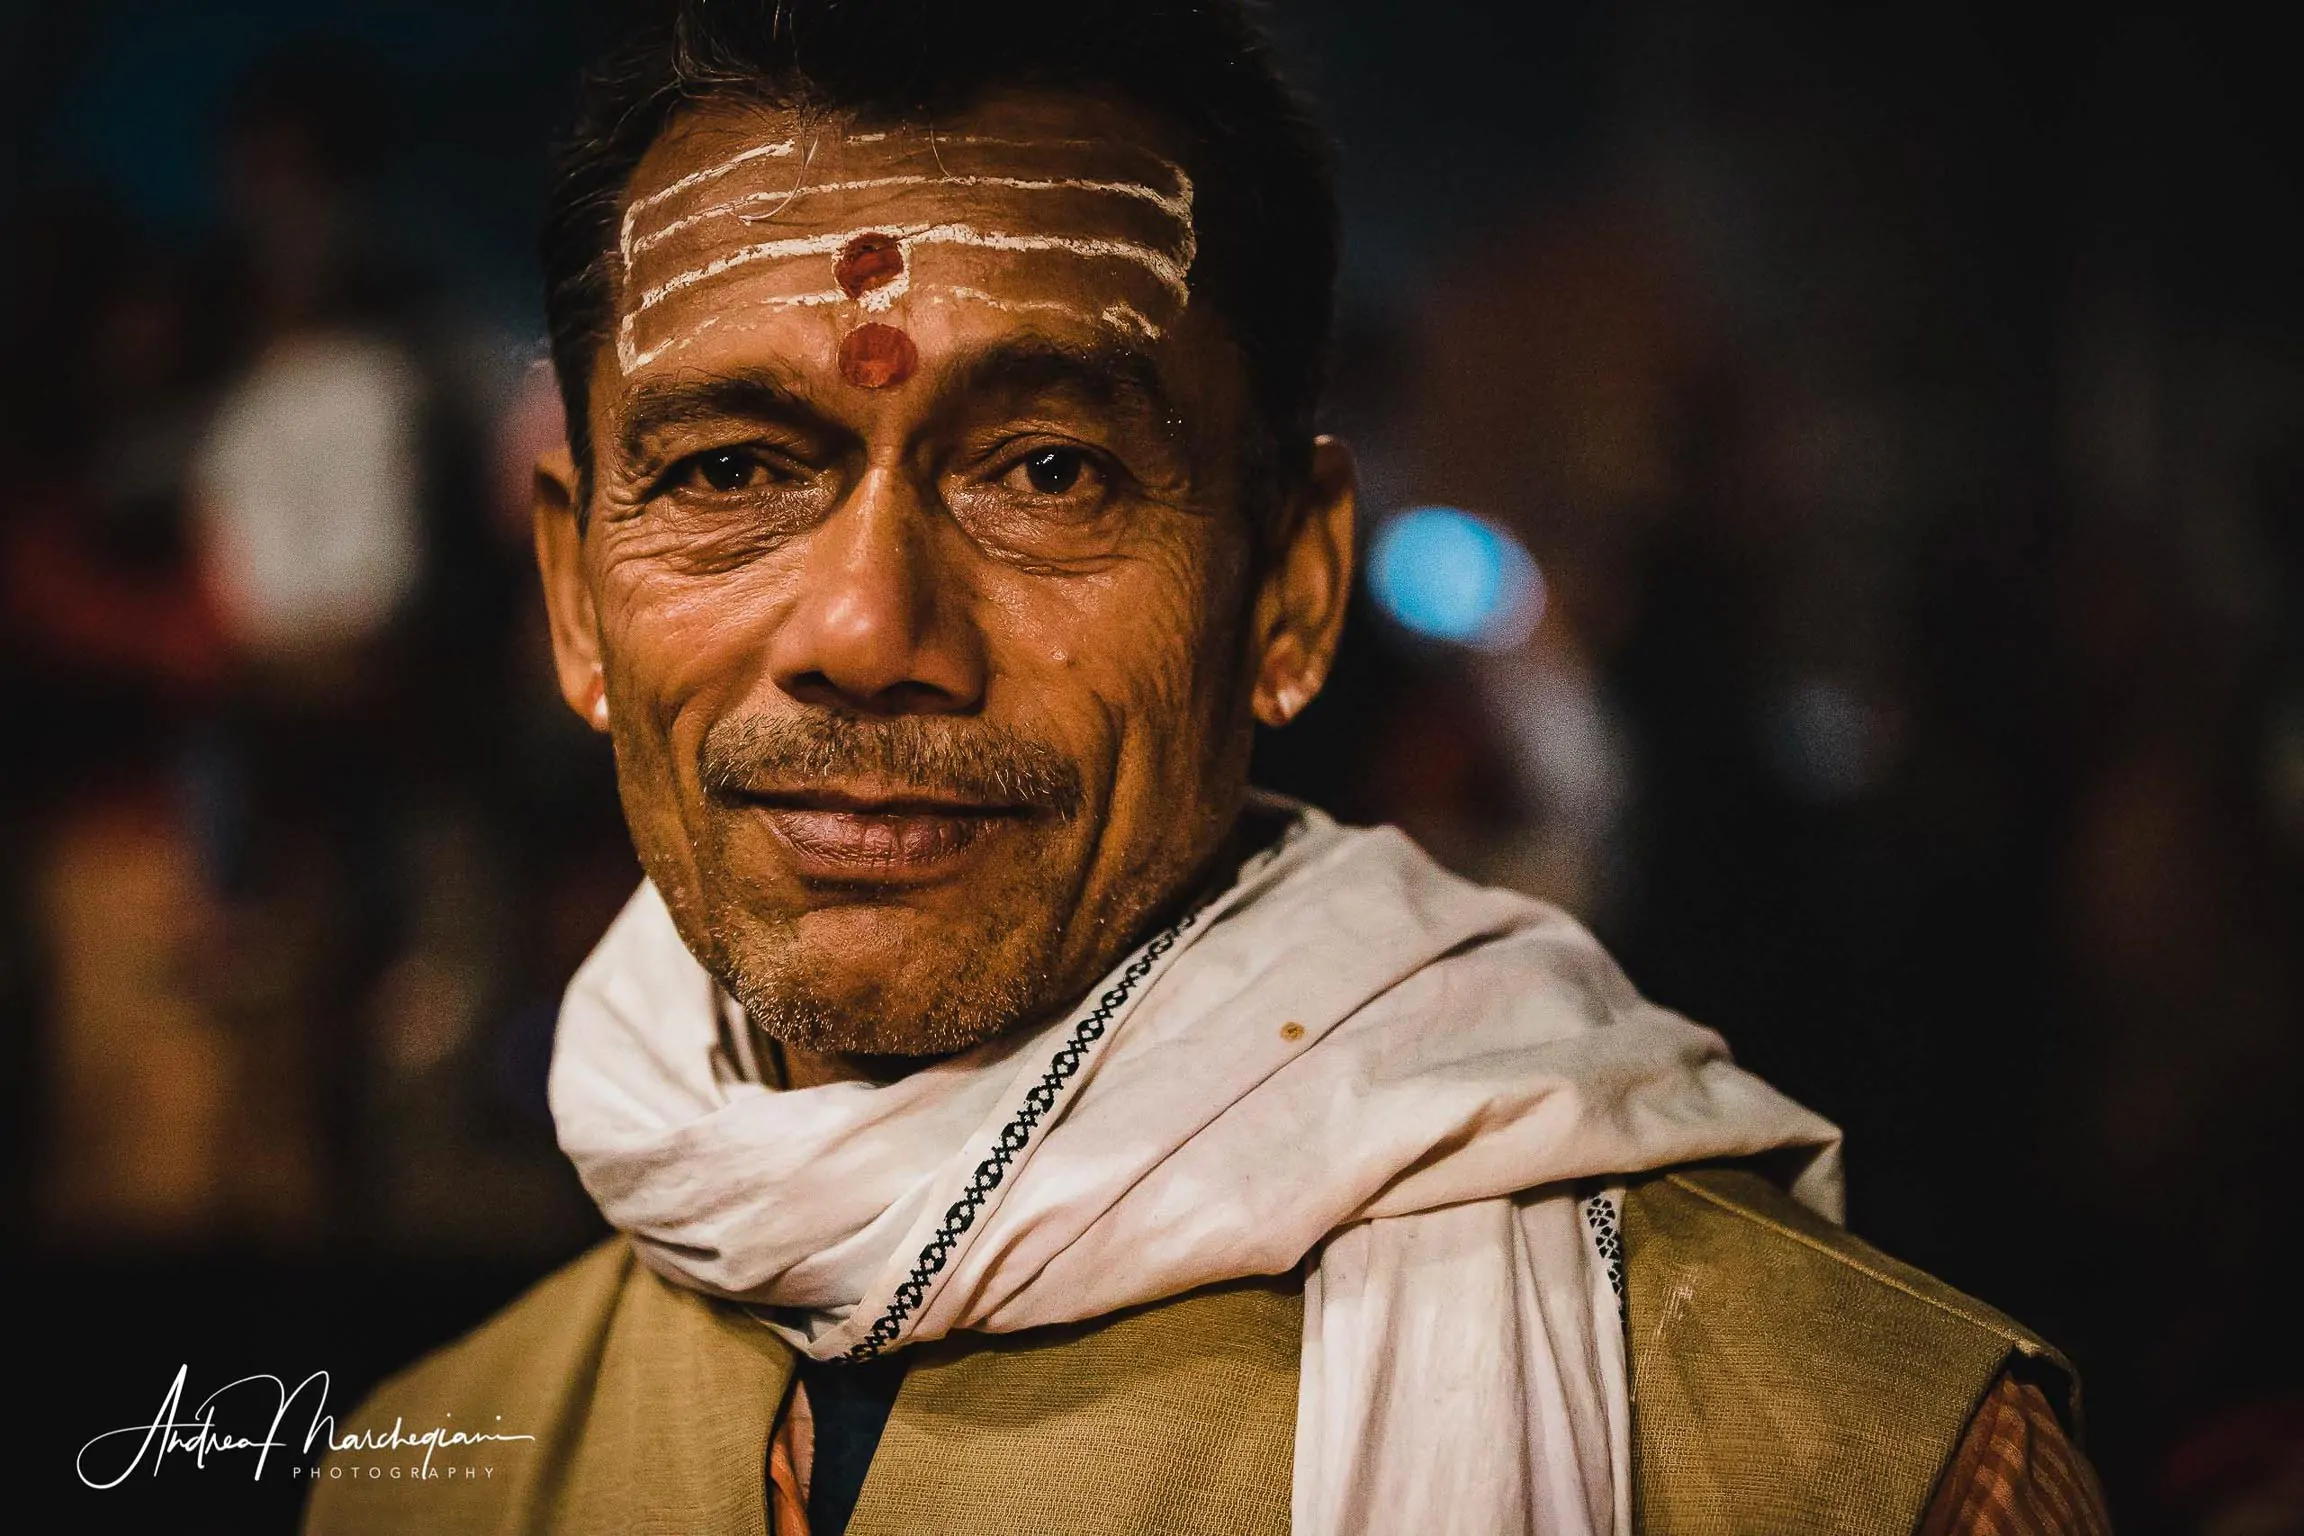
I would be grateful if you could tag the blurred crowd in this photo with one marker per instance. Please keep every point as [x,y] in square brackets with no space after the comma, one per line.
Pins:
[1901,426]
[307,847]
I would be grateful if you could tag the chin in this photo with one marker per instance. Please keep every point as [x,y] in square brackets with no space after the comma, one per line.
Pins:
[814,1020]
[906,985]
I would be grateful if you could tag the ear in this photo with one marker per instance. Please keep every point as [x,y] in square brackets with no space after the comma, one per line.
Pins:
[568,589]
[1300,606]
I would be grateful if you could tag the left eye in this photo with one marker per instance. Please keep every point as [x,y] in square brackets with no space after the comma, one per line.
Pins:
[724,469]
[1053,471]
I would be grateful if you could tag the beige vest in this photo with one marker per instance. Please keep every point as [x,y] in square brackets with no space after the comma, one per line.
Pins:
[1786,1379]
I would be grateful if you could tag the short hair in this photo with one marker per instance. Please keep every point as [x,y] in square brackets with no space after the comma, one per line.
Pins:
[1264,193]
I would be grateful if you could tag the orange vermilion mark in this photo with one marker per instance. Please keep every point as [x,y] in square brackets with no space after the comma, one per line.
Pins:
[868,262]
[875,356]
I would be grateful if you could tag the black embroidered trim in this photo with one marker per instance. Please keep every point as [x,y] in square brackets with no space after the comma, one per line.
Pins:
[1606,1224]
[1015,1136]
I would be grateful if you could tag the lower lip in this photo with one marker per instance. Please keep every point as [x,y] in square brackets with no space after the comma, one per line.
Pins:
[895,847]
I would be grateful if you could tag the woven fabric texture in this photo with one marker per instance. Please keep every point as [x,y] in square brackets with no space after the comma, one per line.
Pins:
[1787,1377]
[651,1406]
[1178,1419]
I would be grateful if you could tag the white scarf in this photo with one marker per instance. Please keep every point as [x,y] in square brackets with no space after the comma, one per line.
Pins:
[1349,1054]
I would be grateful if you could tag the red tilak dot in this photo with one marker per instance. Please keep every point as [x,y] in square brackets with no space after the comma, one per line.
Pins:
[868,262]
[876,356]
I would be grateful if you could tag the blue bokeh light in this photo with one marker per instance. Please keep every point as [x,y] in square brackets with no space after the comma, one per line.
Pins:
[1448,575]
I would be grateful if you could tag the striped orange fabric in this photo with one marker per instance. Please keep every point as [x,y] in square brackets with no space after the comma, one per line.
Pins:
[2016,1473]
[791,1455]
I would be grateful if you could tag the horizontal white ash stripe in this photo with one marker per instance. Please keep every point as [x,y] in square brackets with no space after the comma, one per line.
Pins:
[771,151]
[1170,268]
[932,142]
[1120,316]
[629,358]
[879,300]
[1177,205]
[1165,266]
[1125,317]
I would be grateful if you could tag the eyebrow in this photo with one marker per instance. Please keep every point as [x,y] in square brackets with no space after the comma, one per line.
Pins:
[1111,376]
[751,395]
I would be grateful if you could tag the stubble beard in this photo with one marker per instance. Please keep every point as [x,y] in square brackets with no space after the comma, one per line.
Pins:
[1036,947]
[933,1011]
[932,991]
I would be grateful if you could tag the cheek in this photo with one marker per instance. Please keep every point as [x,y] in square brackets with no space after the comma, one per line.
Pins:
[1188,632]
[672,636]
[681,648]
[1143,650]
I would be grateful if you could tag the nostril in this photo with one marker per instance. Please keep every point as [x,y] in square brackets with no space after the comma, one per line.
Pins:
[913,698]
[909,697]
[812,688]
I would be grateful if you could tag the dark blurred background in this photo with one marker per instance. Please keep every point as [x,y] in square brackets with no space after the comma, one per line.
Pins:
[1836,509]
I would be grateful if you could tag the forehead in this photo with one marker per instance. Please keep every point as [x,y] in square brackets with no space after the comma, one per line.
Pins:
[753,236]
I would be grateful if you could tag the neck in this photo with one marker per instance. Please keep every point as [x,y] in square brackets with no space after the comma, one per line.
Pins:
[801,1068]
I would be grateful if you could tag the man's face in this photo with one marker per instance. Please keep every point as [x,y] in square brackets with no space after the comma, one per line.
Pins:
[917,590]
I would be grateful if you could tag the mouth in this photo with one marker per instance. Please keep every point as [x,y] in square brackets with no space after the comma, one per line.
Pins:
[847,835]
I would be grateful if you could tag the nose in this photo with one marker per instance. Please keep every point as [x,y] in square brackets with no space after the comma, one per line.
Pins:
[882,625]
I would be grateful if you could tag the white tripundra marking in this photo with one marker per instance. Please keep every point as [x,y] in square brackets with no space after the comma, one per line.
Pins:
[774,151]
[709,322]
[1124,317]
[1127,318]
[965,295]
[880,300]
[1167,267]
[1169,263]
[1163,265]
[1177,205]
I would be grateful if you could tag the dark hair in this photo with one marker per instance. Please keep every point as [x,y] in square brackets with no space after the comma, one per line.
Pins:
[1264,197]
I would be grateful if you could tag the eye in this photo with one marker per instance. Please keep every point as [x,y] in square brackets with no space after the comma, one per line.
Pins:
[723,470]
[1052,471]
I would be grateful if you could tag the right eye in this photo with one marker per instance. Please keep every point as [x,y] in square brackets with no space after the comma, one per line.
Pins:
[1054,471]
[724,471]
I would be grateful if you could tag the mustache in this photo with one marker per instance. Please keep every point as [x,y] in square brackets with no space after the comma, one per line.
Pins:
[937,755]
